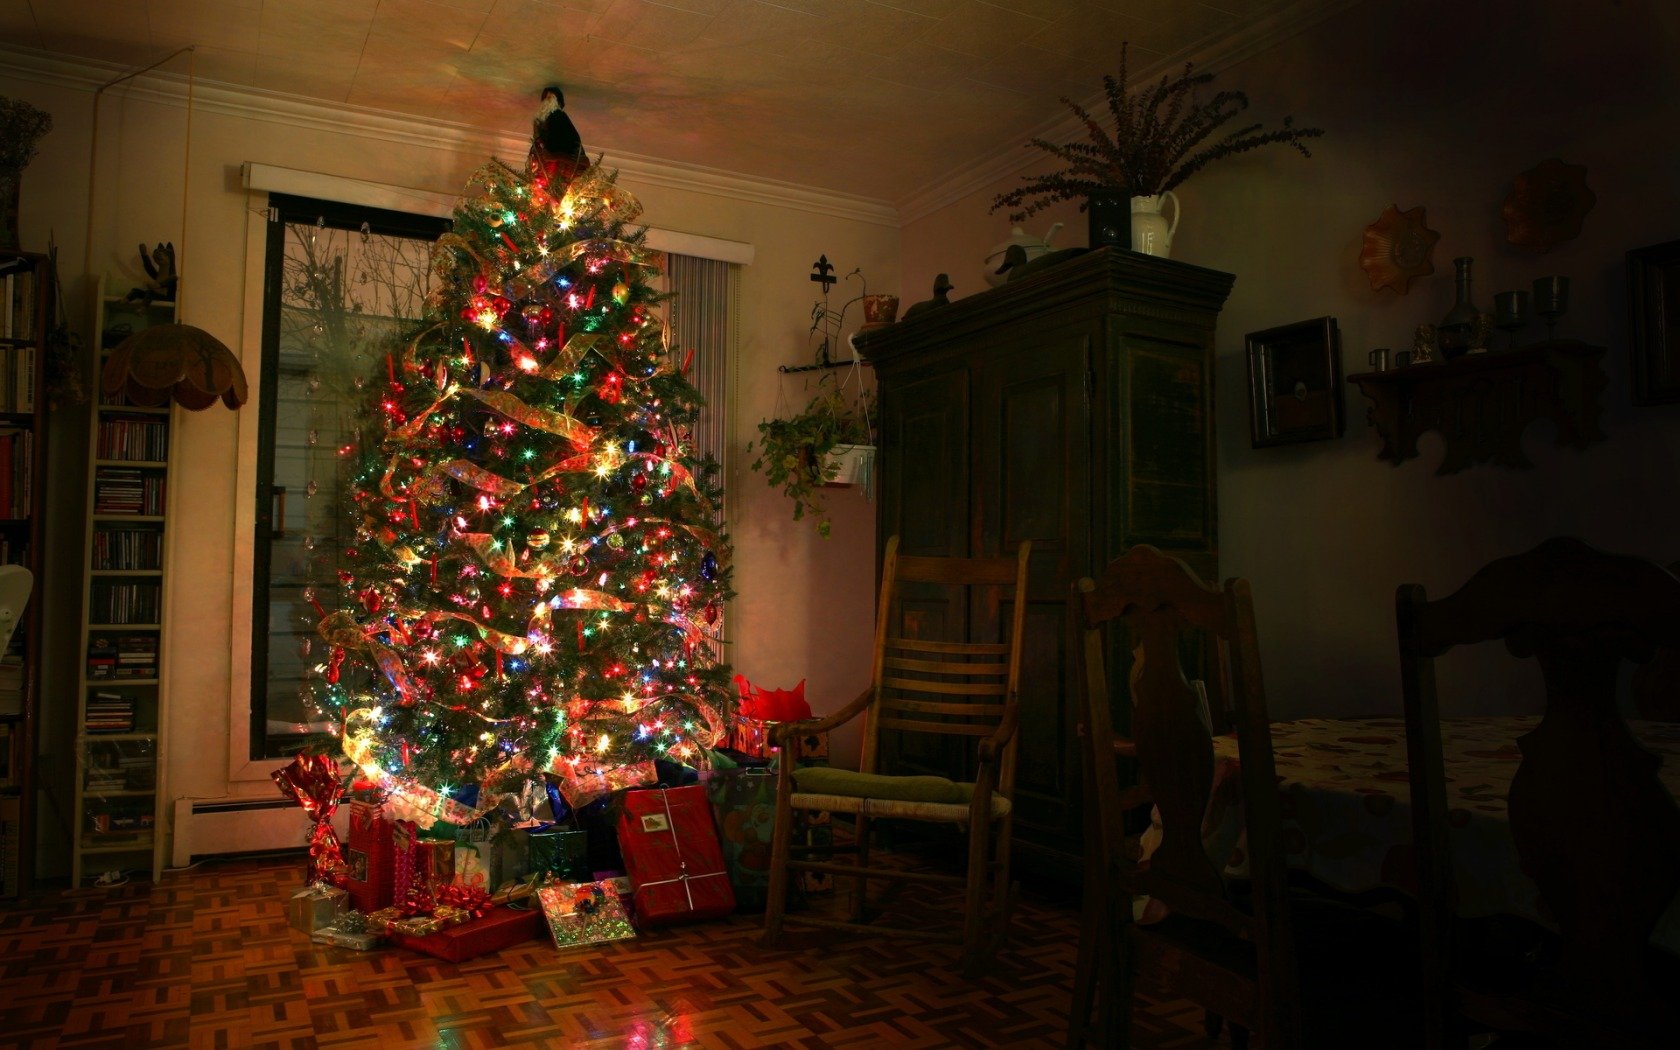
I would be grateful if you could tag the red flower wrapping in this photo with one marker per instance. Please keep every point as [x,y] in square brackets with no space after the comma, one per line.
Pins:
[312,781]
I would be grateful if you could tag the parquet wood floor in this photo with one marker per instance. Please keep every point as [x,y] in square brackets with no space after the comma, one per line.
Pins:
[205,959]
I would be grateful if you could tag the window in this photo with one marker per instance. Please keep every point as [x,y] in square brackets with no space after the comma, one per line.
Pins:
[340,283]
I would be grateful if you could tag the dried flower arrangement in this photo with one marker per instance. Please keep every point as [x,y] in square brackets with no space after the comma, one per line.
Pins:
[1156,144]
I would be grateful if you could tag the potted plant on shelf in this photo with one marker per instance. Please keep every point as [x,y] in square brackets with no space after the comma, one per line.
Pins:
[1160,136]
[829,442]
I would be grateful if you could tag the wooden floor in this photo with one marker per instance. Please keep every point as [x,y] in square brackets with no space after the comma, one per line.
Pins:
[205,959]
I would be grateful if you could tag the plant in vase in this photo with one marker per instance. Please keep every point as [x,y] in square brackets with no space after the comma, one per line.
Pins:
[1160,136]
[798,454]
[21,127]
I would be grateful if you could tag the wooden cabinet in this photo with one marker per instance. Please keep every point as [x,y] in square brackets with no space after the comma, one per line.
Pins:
[1072,408]
[26,316]
[122,704]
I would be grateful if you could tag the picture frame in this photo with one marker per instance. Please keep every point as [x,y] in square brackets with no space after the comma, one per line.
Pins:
[1295,383]
[1654,323]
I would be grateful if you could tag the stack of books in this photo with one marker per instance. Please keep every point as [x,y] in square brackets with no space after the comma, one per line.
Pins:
[124,602]
[110,713]
[137,656]
[133,437]
[127,547]
[17,471]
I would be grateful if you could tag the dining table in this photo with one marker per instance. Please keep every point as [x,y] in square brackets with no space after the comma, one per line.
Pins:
[1346,809]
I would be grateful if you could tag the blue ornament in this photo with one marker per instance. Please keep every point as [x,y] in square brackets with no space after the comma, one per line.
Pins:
[708,567]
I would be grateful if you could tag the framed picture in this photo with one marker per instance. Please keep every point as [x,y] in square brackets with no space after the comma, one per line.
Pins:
[1654,323]
[1295,383]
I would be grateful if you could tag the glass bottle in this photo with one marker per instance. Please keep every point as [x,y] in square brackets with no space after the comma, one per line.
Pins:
[1457,329]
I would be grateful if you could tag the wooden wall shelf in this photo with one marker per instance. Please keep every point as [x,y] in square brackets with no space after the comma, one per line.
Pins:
[1482,403]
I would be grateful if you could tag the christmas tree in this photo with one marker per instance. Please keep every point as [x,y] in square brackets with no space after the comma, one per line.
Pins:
[538,568]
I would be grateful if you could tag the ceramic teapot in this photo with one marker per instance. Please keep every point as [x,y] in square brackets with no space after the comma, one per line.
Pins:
[1035,246]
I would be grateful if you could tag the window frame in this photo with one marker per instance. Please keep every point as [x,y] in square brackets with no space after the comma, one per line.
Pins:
[283,208]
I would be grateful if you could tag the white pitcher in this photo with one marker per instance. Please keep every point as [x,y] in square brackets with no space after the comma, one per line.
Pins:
[1151,233]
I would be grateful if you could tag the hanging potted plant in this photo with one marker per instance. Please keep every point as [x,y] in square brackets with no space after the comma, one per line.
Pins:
[1159,137]
[830,442]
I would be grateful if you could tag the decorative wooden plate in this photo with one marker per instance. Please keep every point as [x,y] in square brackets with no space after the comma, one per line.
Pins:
[1397,248]
[1547,204]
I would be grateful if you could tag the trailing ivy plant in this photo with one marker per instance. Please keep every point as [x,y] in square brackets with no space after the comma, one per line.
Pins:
[1160,137]
[793,454]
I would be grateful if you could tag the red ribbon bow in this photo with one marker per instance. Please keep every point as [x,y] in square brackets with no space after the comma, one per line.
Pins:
[471,899]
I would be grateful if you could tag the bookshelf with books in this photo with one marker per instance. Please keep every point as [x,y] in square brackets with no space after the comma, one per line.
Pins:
[26,317]
[121,699]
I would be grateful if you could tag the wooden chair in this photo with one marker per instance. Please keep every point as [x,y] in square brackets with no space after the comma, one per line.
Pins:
[1236,961]
[1594,826]
[962,690]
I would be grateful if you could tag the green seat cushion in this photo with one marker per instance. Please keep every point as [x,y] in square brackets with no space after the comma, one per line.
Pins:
[826,780]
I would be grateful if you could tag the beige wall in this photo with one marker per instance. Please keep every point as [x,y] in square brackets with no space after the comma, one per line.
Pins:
[805,605]
[1438,104]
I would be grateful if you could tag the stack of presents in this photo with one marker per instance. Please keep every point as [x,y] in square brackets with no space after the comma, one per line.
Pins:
[694,847]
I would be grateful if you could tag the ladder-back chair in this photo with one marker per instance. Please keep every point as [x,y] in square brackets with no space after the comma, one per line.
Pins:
[1236,961]
[965,690]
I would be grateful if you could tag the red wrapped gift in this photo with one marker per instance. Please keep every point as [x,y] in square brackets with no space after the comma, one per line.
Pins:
[499,928]
[671,852]
[367,857]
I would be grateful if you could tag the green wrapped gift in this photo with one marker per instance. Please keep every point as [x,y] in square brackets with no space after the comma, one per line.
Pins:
[585,913]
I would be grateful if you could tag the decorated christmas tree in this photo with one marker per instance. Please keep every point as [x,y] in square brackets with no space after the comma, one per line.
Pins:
[538,569]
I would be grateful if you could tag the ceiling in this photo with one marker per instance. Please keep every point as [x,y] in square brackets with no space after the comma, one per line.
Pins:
[878,98]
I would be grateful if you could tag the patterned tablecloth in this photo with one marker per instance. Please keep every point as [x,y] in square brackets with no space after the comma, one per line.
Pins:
[1347,811]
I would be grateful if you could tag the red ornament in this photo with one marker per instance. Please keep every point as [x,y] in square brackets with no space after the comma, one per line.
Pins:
[335,665]
[638,481]
[710,612]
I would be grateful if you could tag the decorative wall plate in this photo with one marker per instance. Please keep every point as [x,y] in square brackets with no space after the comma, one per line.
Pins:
[1397,248]
[1546,205]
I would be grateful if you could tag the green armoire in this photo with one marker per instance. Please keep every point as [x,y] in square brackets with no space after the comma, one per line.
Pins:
[1073,408]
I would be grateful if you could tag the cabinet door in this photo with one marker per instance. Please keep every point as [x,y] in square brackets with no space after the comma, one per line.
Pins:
[924,501]
[1033,463]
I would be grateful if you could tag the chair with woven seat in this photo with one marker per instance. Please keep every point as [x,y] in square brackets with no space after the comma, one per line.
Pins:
[1592,821]
[962,690]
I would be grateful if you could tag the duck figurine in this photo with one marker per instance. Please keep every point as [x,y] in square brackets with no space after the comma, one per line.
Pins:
[941,285]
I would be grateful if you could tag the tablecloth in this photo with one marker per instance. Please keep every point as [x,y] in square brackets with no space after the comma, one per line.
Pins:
[1346,808]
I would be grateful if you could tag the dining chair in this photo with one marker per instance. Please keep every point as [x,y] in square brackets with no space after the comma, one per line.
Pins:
[1594,826]
[960,693]
[1236,958]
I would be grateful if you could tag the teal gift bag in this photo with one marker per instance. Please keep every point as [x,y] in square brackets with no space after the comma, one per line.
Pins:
[744,802]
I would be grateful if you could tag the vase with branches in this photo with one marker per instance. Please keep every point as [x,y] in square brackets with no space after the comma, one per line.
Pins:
[1155,139]
[21,128]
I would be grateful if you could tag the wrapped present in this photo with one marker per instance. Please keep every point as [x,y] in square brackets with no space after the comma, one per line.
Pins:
[585,913]
[760,711]
[499,928]
[361,941]
[316,907]
[672,855]
[744,805]
[511,860]
[313,782]
[559,854]
[811,749]
[408,882]
[367,857]
[434,864]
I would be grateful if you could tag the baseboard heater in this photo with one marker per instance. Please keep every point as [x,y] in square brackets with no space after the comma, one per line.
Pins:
[217,827]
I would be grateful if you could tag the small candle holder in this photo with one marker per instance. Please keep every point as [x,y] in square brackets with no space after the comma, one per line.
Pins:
[1379,360]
